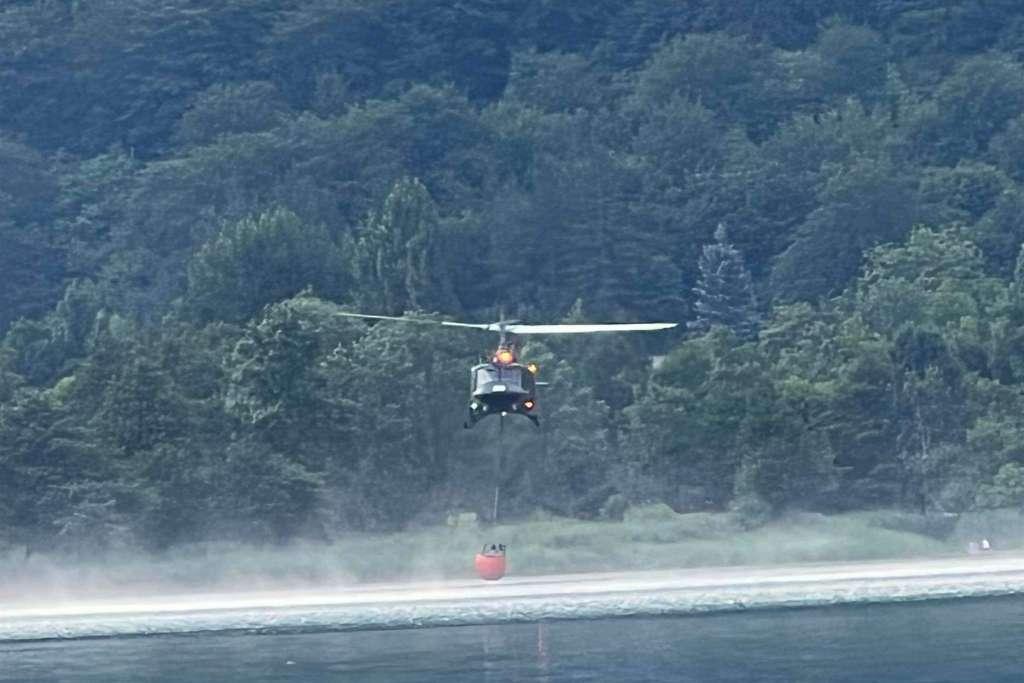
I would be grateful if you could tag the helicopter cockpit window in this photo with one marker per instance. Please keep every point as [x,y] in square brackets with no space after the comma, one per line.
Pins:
[511,377]
[490,375]
[486,374]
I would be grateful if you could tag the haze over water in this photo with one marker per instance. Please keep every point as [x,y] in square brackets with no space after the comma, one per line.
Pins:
[959,640]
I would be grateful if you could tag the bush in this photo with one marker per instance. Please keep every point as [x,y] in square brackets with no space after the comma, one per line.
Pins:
[653,512]
[751,510]
[615,508]
[1006,489]
[938,525]
[1004,528]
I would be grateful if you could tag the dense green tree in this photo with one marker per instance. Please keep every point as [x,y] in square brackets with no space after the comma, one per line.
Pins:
[53,465]
[863,203]
[92,204]
[971,106]
[792,468]
[225,109]
[1006,489]
[47,349]
[262,260]
[273,384]
[556,82]
[557,236]
[961,195]
[402,389]
[31,259]
[687,429]
[852,60]
[140,406]
[116,72]
[399,257]
[263,495]
[1000,232]
[383,45]
[940,278]
[732,77]
[1007,147]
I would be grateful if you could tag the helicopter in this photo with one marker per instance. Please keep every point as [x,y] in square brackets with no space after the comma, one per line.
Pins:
[503,385]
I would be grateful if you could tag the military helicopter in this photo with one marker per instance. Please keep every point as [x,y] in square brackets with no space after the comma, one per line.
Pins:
[504,385]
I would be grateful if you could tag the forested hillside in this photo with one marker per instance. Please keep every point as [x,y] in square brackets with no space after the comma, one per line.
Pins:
[827,194]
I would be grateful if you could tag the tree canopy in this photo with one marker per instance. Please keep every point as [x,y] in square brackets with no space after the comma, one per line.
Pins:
[190,192]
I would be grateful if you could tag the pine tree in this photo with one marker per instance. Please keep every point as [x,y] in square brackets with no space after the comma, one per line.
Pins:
[725,293]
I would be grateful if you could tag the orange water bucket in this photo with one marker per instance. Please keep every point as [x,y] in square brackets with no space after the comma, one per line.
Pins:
[490,562]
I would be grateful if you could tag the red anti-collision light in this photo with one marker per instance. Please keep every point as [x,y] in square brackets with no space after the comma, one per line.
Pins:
[528,404]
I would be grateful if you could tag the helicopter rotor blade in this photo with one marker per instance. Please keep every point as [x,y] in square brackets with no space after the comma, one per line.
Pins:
[586,328]
[521,328]
[422,321]
[475,326]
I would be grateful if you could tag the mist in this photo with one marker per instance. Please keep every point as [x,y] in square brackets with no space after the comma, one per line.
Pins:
[648,538]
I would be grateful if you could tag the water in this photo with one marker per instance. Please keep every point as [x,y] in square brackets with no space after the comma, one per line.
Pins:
[959,641]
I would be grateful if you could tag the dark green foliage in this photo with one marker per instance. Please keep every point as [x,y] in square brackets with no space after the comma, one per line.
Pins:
[120,72]
[399,259]
[852,61]
[262,494]
[961,195]
[140,407]
[225,109]
[570,470]
[1006,489]
[383,45]
[555,82]
[262,260]
[686,429]
[864,203]
[1007,148]
[30,260]
[189,191]
[47,349]
[55,469]
[400,390]
[730,76]
[972,105]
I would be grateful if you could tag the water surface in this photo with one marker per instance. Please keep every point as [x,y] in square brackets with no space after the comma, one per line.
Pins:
[959,640]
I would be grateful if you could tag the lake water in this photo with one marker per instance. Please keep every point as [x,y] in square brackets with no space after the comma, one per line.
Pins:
[957,641]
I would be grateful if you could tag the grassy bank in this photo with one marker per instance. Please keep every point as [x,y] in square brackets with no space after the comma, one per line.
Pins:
[649,538]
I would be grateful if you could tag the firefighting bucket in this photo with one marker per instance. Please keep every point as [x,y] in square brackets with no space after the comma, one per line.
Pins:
[490,562]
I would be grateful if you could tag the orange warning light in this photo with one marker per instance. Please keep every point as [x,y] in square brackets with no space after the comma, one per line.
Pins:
[504,357]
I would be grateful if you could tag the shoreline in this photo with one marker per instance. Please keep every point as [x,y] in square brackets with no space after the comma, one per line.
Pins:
[523,599]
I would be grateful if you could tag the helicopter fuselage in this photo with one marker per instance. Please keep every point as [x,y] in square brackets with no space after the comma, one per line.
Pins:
[502,389]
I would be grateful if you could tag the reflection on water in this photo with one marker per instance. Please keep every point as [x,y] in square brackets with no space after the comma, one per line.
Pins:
[962,641]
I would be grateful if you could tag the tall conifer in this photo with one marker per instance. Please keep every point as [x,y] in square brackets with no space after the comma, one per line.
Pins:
[725,292]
